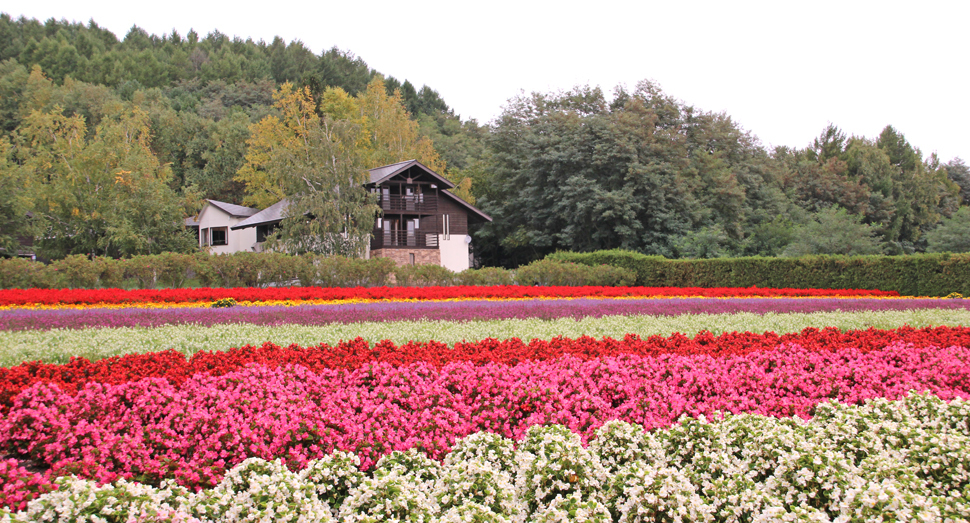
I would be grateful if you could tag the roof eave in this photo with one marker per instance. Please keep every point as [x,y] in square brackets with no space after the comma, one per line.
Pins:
[407,165]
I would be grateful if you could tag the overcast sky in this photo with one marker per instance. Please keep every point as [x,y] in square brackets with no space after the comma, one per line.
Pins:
[782,69]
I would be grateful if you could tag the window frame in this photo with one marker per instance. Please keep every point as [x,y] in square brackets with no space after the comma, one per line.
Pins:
[225,236]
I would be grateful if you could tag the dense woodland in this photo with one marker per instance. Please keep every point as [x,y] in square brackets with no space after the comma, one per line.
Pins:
[107,143]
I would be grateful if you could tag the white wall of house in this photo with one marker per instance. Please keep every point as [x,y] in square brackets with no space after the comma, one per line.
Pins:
[454,251]
[213,221]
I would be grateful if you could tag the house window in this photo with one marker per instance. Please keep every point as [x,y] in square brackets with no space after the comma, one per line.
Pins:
[446,221]
[220,235]
[262,231]
[411,257]
[204,234]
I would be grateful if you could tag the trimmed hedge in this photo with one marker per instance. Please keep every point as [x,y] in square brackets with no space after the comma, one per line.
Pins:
[910,275]
[249,269]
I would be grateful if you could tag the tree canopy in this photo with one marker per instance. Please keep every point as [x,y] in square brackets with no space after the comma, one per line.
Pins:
[115,139]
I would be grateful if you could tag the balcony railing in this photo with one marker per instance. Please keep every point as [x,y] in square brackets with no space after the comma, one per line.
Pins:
[393,239]
[416,203]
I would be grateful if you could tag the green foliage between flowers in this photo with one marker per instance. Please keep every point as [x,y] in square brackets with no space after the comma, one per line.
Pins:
[223,303]
[912,275]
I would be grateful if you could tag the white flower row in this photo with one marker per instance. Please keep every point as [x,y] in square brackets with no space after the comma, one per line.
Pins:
[97,343]
[907,460]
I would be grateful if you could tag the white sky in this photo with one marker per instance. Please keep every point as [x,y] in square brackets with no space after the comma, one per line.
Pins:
[782,69]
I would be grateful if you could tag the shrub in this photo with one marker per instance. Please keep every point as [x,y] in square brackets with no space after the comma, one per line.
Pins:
[223,303]
[172,269]
[555,273]
[143,270]
[281,270]
[423,276]
[909,275]
[76,272]
[19,273]
[239,269]
[485,276]
[339,271]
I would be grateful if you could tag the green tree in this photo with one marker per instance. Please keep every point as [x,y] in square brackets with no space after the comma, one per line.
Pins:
[834,231]
[15,202]
[920,187]
[98,191]
[706,242]
[959,173]
[953,235]
[574,171]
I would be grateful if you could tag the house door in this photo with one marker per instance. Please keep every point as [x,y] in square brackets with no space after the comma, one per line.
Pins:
[392,226]
[409,198]
[411,240]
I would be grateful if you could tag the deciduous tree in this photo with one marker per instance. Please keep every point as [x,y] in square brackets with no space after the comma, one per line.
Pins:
[316,165]
[98,191]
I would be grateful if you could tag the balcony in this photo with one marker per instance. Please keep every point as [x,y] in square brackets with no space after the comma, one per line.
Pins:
[404,239]
[413,203]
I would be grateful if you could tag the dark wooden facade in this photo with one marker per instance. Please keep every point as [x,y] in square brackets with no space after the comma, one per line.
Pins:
[416,208]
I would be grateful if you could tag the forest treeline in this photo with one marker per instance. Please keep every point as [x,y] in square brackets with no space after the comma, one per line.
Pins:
[107,143]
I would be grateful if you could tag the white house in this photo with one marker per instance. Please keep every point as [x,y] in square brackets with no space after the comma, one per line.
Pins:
[215,221]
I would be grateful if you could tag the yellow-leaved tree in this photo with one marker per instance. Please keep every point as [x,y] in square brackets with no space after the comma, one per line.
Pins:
[97,189]
[392,135]
[316,156]
[316,164]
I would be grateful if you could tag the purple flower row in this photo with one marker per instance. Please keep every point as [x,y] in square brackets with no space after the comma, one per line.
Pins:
[13,320]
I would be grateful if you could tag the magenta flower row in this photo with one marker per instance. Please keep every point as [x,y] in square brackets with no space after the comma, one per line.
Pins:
[151,429]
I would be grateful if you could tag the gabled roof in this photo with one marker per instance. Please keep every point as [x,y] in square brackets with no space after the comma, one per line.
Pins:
[271,214]
[386,172]
[466,205]
[233,209]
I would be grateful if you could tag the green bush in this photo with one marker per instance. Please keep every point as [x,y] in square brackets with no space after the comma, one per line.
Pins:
[281,270]
[423,276]
[646,268]
[20,273]
[239,269]
[111,272]
[173,268]
[910,275]
[76,272]
[338,271]
[141,271]
[485,276]
[556,273]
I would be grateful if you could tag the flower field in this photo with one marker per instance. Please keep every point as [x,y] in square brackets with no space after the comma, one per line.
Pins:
[479,404]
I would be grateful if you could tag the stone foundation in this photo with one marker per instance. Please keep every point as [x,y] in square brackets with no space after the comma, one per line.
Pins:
[403,256]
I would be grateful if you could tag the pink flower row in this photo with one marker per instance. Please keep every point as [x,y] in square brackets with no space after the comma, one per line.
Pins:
[19,485]
[151,429]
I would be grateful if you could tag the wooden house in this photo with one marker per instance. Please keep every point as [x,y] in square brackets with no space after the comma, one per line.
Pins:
[420,221]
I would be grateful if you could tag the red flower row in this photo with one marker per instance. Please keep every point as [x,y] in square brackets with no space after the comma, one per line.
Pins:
[176,368]
[91,296]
